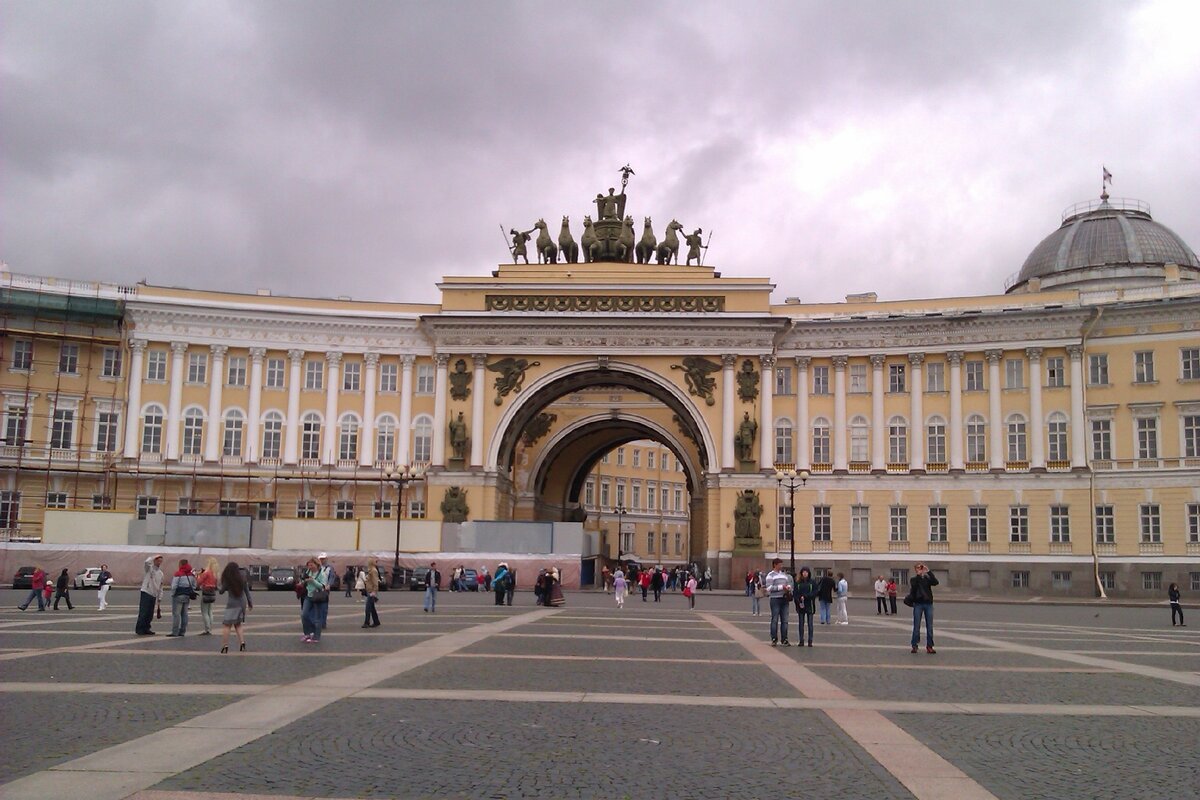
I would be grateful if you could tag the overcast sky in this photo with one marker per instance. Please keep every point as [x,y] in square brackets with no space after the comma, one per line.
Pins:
[914,149]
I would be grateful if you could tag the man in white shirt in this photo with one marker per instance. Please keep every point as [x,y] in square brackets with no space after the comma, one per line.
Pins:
[843,592]
[881,596]
[779,589]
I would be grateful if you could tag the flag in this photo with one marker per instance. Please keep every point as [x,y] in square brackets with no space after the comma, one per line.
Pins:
[1107,174]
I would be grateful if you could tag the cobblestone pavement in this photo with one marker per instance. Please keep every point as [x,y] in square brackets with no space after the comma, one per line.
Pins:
[654,701]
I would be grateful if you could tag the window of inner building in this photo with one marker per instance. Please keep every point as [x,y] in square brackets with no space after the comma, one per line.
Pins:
[1014,373]
[274,373]
[783,441]
[651,495]
[106,431]
[635,495]
[1056,437]
[387,377]
[382,509]
[68,359]
[422,439]
[146,505]
[976,439]
[898,523]
[935,441]
[193,432]
[352,376]
[10,509]
[272,435]
[236,371]
[156,366]
[1152,581]
[1106,525]
[858,379]
[348,438]
[1143,366]
[1193,523]
[1018,523]
[650,542]
[1147,437]
[620,456]
[1056,375]
[939,528]
[1060,579]
[649,459]
[152,429]
[1108,579]
[56,499]
[197,368]
[783,380]
[1150,521]
[1102,440]
[266,510]
[822,523]
[344,509]
[228,508]
[425,379]
[1060,524]
[679,548]
[897,440]
[860,523]
[678,496]
[820,380]
[232,440]
[621,486]
[664,543]
[1191,435]
[1020,579]
[62,429]
[1098,369]
[820,441]
[860,438]
[306,509]
[314,374]
[1017,440]
[973,376]
[935,376]
[385,439]
[589,493]
[897,378]
[977,523]
[605,493]
[310,436]
[22,355]
[111,367]
[16,419]
[783,522]
[101,502]
[637,458]
[416,509]
[1189,363]
[664,495]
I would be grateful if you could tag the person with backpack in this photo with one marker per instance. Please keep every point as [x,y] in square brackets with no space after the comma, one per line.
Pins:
[500,583]
[62,590]
[236,605]
[183,591]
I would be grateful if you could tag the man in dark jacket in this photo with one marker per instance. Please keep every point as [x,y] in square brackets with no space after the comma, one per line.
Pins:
[920,592]
[805,597]
[825,589]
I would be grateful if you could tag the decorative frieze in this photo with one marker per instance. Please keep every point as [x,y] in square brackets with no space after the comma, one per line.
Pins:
[606,303]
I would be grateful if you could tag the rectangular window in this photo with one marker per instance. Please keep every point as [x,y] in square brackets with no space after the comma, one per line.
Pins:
[897,378]
[22,354]
[898,524]
[605,494]
[651,495]
[678,494]
[146,506]
[111,367]
[10,509]
[1106,525]
[344,509]
[973,376]
[382,509]
[16,418]
[976,439]
[101,502]
[1020,579]
[106,431]
[679,549]
[860,523]
[352,376]
[783,380]
[274,373]
[1098,370]
[56,500]
[156,366]
[265,511]
[621,493]
[1191,435]
[1060,524]
[188,506]
[977,521]
[235,373]
[1195,581]
[227,508]
[1189,363]
[821,444]
[936,443]
[858,379]
[1056,436]
[62,429]
[1150,520]
[665,496]
[822,524]
[820,380]
[387,377]
[1014,373]
[1193,523]
[306,509]
[649,459]
[620,456]
[637,458]
[425,379]
[1056,375]
[1151,581]
[635,496]
[1147,437]
[935,376]
[1060,579]
[1018,523]
[416,509]
[68,359]
[197,367]
[939,527]
[783,522]
[314,375]
[1016,440]
[664,543]
[1143,366]
[272,436]
[1108,579]
[589,493]
[1101,440]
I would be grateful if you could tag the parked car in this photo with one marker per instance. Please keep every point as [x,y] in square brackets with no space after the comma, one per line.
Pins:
[281,578]
[470,580]
[23,579]
[418,579]
[86,578]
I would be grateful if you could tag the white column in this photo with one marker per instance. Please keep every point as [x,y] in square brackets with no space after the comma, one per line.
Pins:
[955,357]
[803,452]
[133,408]
[291,434]
[175,399]
[878,423]
[766,450]
[996,429]
[254,411]
[366,444]
[438,455]
[333,364]
[480,362]
[404,428]
[1037,436]
[839,414]
[728,455]
[916,428]
[216,379]
[1078,430]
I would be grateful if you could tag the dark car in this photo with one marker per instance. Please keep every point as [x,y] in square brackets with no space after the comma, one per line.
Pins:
[23,579]
[418,579]
[281,578]
[470,580]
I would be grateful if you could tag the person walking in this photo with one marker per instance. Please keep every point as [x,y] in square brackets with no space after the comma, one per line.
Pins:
[1176,608]
[500,582]
[754,587]
[707,579]
[825,589]
[348,581]
[805,598]
[689,591]
[152,578]
[644,583]
[432,580]
[236,604]
[605,577]
[843,593]
[619,587]
[511,586]
[104,582]
[920,597]
[207,581]
[183,589]
[880,596]
[62,590]
[779,589]
[360,583]
[657,581]
[316,594]
[891,593]
[330,575]
[36,587]
[371,587]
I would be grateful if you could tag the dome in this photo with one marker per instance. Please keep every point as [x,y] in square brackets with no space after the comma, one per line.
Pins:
[1109,242]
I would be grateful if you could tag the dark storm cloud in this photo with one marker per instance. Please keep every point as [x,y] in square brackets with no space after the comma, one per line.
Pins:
[368,148]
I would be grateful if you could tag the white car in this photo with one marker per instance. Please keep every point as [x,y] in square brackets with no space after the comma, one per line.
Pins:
[86,578]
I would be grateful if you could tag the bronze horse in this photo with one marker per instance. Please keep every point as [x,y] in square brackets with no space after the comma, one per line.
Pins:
[669,248]
[566,243]
[647,244]
[546,249]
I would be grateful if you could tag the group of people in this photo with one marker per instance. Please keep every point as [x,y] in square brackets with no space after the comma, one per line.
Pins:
[649,580]
[811,595]
[41,589]
[185,586]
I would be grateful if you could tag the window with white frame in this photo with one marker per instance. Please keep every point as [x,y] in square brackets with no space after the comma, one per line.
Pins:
[156,366]
[425,379]
[101,502]
[1098,369]
[62,428]
[10,509]
[1020,579]
[193,432]
[606,493]
[973,376]
[1060,524]
[111,365]
[1143,366]
[860,439]
[977,528]
[1014,373]
[897,440]
[228,508]
[1056,437]
[197,368]
[621,496]
[678,497]
[231,440]
[1060,579]
[1152,581]
[820,380]
[649,459]
[387,377]
[422,439]
[1193,523]
[976,439]
[1150,522]
[679,548]
[783,522]
[348,437]
[1106,525]
[107,422]
[650,541]
[56,499]
[1017,439]
[22,355]
[637,458]
[897,378]
[146,506]
[344,509]
[935,376]
[783,441]
[620,456]
[1056,374]
[68,359]
[858,379]
[635,495]
[416,508]
[939,527]
[381,509]
[1102,440]
[1108,579]
[1191,435]
[306,509]
[664,494]
[385,438]
[860,523]
[664,543]
[273,376]
[310,436]
[314,374]
[16,423]
[272,434]
[1189,363]
[152,429]
[188,506]
[822,523]
[352,376]
[898,523]
[651,495]
[1147,437]
[235,371]
[1018,523]
[783,381]
[266,510]
[935,441]
[589,493]
[820,441]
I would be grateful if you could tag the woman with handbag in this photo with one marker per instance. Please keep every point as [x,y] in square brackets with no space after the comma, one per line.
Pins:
[207,581]
[316,591]
[804,596]
[754,583]
[689,591]
[183,591]
[236,605]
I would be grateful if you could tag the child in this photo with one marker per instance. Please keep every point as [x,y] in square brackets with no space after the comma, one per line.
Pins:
[48,591]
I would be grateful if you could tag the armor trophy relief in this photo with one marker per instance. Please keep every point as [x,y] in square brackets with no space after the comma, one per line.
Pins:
[608,237]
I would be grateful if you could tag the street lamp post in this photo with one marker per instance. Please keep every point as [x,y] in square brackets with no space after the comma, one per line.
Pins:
[791,480]
[621,512]
[402,476]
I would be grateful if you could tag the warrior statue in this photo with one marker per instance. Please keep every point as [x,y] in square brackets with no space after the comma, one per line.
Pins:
[519,240]
[694,245]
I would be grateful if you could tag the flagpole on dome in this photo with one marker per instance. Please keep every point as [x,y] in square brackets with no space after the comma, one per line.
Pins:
[1105,182]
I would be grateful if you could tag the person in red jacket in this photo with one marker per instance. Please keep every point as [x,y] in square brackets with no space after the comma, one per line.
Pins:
[35,590]
[644,582]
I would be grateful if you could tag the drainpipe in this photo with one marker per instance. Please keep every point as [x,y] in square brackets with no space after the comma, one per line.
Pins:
[1084,332]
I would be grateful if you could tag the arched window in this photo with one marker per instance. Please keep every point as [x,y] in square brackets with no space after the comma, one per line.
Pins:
[310,435]
[385,438]
[272,434]
[152,429]
[193,432]
[348,437]
[935,440]
[234,420]
[422,439]
[897,440]
[820,441]
[976,438]
[860,439]
[1056,432]
[783,441]
[1017,439]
